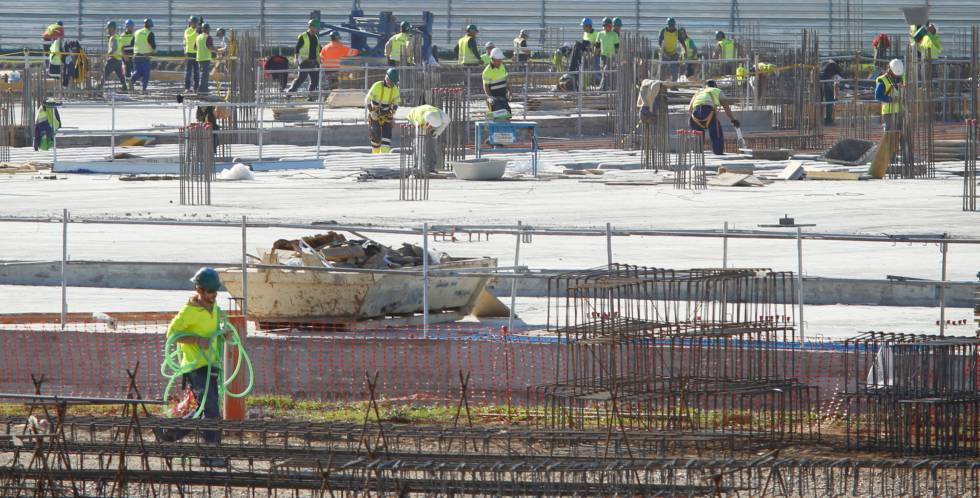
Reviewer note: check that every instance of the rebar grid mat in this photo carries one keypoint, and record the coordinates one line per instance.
(196, 164)
(451, 145)
(970, 167)
(689, 169)
(857, 120)
(632, 62)
(916, 144)
(413, 177)
(913, 394)
(8, 125)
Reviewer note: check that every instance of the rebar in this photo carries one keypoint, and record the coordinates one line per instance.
(413, 178)
(241, 125)
(196, 164)
(451, 145)
(655, 138)
(632, 62)
(689, 168)
(970, 167)
(917, 157)
(8, 125)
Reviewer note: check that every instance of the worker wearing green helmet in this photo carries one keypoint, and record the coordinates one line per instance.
(467, 51)
(670, 51)
(398, 48)
(381, 103)
(618, 25)
(308, 57)
(608, 43)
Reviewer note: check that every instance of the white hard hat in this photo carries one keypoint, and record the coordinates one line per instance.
(489, 45)
(497, 54)
(897, 67)
(434, 119)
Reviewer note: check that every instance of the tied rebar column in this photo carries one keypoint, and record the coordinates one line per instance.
(413, 179)
(631, 63)
(970, 167)
(242, 87)
(451, 145)
(655, 139)
(7, 125)
(689, 170)
(196, 164)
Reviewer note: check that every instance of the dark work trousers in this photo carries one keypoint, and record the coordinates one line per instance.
(429, 158)
(197, 380)
(828, 96)
(305, 72)
(205, 67)
(192, 72)
(114, 66)
(142, 72)
(380, 133)
(704, 118)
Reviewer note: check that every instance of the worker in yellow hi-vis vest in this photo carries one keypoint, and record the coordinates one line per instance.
(192, 71)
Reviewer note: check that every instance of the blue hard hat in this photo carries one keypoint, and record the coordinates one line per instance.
(130, 22)
(207, 279)
(586, 22)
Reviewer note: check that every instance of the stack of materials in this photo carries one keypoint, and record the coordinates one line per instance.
(334, 250)
(291, 114)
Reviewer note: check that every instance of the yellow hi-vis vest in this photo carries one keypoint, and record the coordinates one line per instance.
(115, 53)
(199, 321)
(670, 41)
(54, 53)
(590, 36)
(889, 107)
(495, 78)
(707, 96)
(383, 99)
(141, 42)
(201, 44)
(304, 51)
(607, 42)
(398, 43)
(190, 40)
(466, 56)
(930, 47)
(417, 115)
(127, 39)
(727, 47)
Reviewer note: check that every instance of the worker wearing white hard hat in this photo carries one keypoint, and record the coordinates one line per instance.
(431, 122)
(496, 87)
(888, 91)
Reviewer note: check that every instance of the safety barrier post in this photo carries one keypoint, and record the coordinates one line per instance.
(235, 407)
(609, 256)
(425, 280)
(319, 119)
(64, 265)
(944, 249)
(513, 282)
(112, 137)
(724, 247)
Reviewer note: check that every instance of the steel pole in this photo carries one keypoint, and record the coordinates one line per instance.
(944, 247)
(609, 256)
(425, 279)
(513, 283)
(799, 280)
(64, 267)
(724, 246)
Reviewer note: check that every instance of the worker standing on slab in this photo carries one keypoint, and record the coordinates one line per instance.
(192, 71)
(55, 31)
(725, 49)
(431, 122)
(830, 77)
(307, 58)
(704, 115)
(487, 50)
(144, 46)
(522, 53)
(197, 323)
(670, 50)
(382, 102)
(608, 41)
(128, 38)
(204, 54)
(467, 53)
(497, 88)
(113, 56)
(590, 39)
(888, 91)
(330, 57)
(398, 49)
(690, 53)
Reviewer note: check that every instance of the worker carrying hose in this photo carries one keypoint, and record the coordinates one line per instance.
(704, 115)
(430, 122)
(496, 87)
(381, 102)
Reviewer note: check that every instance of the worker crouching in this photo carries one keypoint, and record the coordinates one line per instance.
(382, 102)
(496, 87)
(704, 115)
(430, 122)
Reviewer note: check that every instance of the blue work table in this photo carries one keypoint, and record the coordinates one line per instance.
(497, 133)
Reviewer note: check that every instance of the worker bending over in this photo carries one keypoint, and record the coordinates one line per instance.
(496, 87)
(382, 101)
(670, 50)
(307, 57)
(144, 46)
(467, 53)
(608, 41)
(398, 48)
(192, 70)
(430, 122)
(704, 115)
(330, 57)
(113, 56)
(200, 321)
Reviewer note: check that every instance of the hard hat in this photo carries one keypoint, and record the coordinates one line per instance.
(671, 22)
(497, 54)
(606, 21)
(489, 45)
(617, 22)
(719, 35)
(523, 33)
(711, 83)
(919, 33)
(333, 34)
(313, 23)
(193, 19)
(405, 26)
(897, 67)
(148, 22)
(434, 119)
(207, 279)
(586, 22)
(130, 23)
(471, 27)
(392, 74)
(110, 24)
(61, 23)
(220, 31)
(206, 27)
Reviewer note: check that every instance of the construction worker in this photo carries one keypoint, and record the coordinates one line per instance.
(205, 54)
(888, 91)
(398, 49)
(200, 320)
(431, 122)
(487, 49)
(521, 51)
(382, 101)
(144, 45)
(560, 57)
(192, 72)
(690, 53)
(830, 77)
(127, 38)
(307, 57)
(704, 115)
(113, 56)
(54, 31)
(467, 53)
(56, 56)
(330, 57)
(725, 49)
(608, 41)
(496, 87)
(590, 37)
(220, 41)
(929, 45)
(618, 25)
(670, 50)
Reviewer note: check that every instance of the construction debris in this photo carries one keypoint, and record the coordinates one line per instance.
(336, 251)
(736, 180)
(291, 114)
(814, 174)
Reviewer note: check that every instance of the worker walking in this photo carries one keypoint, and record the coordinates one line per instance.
(704, 115)
(198, 323)
(192, 71)
(307, 57)
(670, 50)
(496, 87)
(128, 38)
(522, 53)
(430, 122)
(608, 41)
(144, 46)
(467, 53)
(690, 53)
(205, 54)
(113, 56)
(330, 57)
(398, 49)
(725, 49)
(382, 102)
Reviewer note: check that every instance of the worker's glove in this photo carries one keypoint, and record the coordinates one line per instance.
(736, 123)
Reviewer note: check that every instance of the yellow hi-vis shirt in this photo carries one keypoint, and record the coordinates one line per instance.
(190, 40)
(194, 319)
(707, 96)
